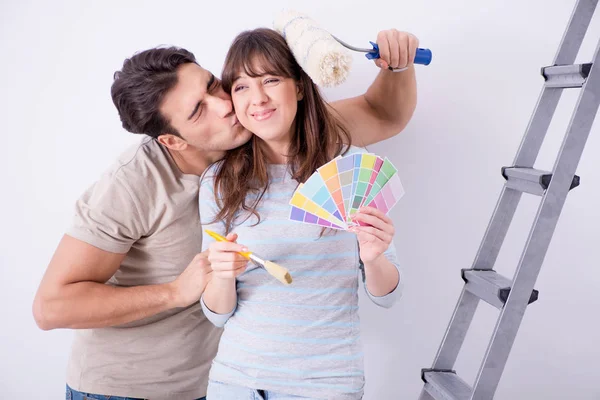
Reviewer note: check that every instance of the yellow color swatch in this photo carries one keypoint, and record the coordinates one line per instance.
(328, 170)
(304, 203)
(368, 161)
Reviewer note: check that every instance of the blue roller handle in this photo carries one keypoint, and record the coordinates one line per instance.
(422, 57)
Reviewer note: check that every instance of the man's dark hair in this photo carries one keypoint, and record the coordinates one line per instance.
(140, 87)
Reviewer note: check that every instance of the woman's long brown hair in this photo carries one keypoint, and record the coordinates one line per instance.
(318, 138)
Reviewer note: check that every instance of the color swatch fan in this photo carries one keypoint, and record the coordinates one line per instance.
(337, 190)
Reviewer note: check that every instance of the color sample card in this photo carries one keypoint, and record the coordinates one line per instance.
(337, 175)
(356, 161)
(329, 174)
(362, 174)
(302, 202)
(339, 188)
(388, 196)
(386, 171)
(374, 174)
(297, 214)
(346, 173)
(316, 189)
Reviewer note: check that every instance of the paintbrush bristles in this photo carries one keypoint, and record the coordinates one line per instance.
(278, 272)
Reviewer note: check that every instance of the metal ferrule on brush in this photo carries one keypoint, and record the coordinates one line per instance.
(257, 260)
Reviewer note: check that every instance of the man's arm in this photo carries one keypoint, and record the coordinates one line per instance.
(389, 103)
(73, 293)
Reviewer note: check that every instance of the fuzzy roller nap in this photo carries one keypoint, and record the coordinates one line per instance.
(324, 57)
(325, 60)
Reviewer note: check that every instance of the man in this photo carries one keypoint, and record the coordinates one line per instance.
(127, 274)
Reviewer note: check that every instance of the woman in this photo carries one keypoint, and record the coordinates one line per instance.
(299, 341)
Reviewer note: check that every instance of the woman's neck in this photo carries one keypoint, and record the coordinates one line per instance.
(276, 151)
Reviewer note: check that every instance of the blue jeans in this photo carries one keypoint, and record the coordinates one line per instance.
(225, 391)
(73, 394)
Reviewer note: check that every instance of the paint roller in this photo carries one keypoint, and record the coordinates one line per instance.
(324, 57)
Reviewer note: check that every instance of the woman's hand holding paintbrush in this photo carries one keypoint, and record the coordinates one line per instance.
(232, 259)
(225, 258)
(220, 295)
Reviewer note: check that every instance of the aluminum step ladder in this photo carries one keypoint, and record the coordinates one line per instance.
(511, 296)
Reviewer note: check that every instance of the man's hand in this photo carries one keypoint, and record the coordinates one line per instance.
(189, 286)
(396, 49)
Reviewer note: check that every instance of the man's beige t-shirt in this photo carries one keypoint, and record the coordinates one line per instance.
(145, 207)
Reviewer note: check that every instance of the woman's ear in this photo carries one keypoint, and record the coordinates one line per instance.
(299, 92)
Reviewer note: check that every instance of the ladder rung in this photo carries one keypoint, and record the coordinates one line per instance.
(482, 282)
(566, 76)
(490, 286)
(530, 180)
(445, 385)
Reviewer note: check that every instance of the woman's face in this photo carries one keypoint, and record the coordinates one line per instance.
(266, 105)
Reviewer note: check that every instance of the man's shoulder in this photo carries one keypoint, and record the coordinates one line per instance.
(140, 156)
(131, 197)
(142, 167)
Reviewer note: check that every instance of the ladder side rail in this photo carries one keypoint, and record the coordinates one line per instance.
(540, 236)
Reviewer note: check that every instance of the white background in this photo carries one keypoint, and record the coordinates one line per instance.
(60, 131)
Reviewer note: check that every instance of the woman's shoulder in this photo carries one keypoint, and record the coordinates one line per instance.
(349, 150)
(210, 173)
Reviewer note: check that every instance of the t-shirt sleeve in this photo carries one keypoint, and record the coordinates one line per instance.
(108, 216)
(209, 208)
(208, 211)
(217, 320)
(389, 299)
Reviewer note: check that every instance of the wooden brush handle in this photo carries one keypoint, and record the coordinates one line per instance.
(278, 272)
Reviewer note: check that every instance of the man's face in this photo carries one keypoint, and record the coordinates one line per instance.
(202, 112)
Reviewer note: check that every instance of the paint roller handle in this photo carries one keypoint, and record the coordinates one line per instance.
(423, 56)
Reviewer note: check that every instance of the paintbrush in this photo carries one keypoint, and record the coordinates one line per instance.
(279, 272)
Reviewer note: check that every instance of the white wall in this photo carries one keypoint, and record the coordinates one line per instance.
(60, 131)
